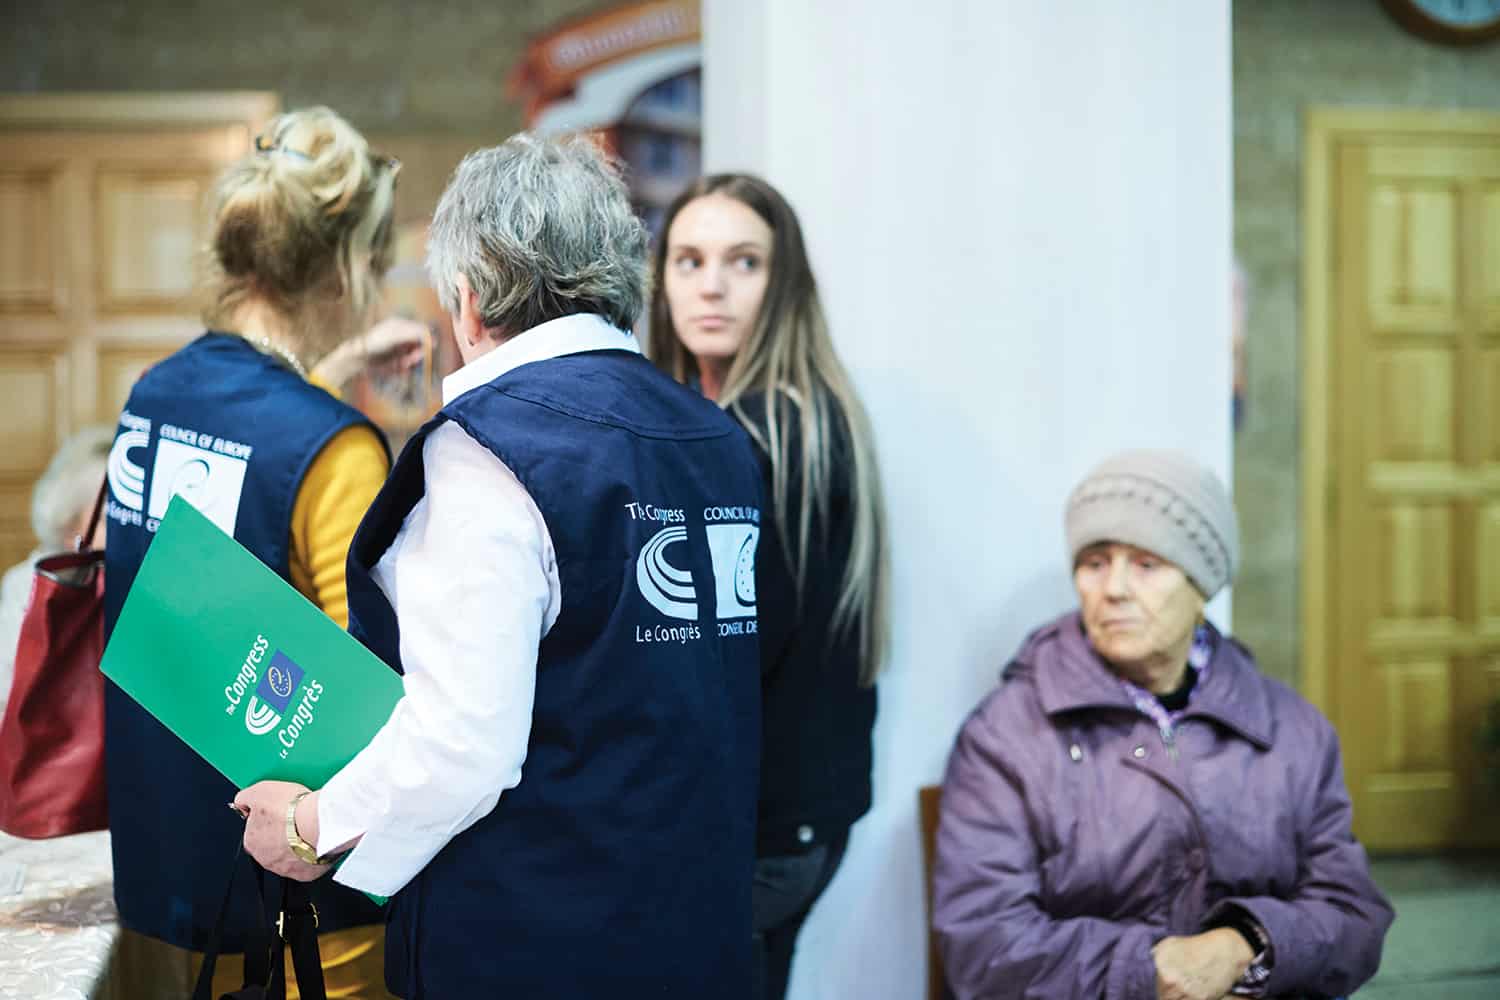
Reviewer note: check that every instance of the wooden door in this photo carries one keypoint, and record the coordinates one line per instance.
(1411, 471)
(102, 215)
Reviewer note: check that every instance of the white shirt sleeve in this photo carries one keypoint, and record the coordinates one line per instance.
(473, 580)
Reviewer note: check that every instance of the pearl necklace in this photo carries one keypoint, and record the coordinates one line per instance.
(270, 347)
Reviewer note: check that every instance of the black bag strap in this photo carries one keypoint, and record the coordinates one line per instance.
(294, 927)
(203, 988)
(299, 928)
(81, 544)
(263, 957)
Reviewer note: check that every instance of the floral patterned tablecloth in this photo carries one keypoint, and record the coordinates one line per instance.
(56, 933)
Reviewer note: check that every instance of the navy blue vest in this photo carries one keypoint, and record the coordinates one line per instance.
(621, 865)
(234, 431)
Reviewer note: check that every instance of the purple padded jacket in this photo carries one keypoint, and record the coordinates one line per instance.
(1073, 837)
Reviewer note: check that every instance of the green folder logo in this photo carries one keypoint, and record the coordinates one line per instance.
(241, 666)
(273, 695)
(208, 632)
(260, 719)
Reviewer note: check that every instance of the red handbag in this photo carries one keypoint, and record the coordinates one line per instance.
(52, 735)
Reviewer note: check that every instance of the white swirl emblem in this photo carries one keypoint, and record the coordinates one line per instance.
(127, 480)
(260, 718)
(667, 588)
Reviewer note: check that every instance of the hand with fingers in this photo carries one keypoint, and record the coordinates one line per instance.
(392, 346)
(1201, 967)
(278, 815)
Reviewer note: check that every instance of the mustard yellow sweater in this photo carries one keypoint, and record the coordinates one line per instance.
(336, 492)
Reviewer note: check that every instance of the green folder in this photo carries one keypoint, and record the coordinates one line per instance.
(242, 667)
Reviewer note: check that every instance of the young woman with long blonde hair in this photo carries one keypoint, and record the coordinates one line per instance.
(736, 313)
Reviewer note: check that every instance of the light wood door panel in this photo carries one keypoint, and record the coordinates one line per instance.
(1413, 509)
(151, 222)
(1414, 421)
(1413, 284)
(34, 393)
(31, 241)
(1487, 262)
(1487, 598)
(103, 207)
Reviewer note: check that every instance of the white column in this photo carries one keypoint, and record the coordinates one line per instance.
(1019, 215)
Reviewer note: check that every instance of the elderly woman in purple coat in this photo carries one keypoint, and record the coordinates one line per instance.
(1136, 813)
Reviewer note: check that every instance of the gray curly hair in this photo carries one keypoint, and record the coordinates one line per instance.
(64, 495)
(541, 228)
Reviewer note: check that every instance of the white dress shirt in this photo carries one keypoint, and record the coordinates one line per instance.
(473, 581)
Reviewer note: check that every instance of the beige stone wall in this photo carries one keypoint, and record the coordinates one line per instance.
(388, 65)
(424, 79)
(1290, 55)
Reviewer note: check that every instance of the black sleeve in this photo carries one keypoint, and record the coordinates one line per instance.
(775, 584)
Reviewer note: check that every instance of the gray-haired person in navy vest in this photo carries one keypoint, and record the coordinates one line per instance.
(237, 423)
(563, 566)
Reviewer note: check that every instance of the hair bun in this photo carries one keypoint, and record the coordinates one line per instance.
(327, 155)
(302, 222)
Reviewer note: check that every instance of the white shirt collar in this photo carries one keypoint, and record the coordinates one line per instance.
(553, 339)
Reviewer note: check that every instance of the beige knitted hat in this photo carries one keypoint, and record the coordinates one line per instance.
(1163, 502)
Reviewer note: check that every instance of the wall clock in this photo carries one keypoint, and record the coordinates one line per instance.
(1451, 22)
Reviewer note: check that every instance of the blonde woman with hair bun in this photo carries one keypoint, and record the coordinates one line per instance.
(241, 424)
(736, 313)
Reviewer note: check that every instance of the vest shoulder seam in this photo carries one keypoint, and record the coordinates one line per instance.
(701, 432)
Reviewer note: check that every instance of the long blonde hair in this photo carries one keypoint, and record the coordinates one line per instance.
(788, 358)
(302, 226)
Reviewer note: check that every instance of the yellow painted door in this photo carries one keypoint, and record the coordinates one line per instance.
(1415, 504)
(102, 219)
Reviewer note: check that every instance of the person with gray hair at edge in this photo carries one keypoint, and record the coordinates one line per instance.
(562, 566)
(1136, 812)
